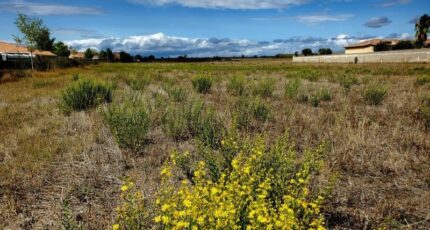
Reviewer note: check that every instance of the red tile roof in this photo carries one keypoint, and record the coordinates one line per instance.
(13, 48)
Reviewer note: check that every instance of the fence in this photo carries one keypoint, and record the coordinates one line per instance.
(403, 56)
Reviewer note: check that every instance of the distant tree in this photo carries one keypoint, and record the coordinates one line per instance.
(36, 34)
(325, 51)
(44, 41)
(61, 49)
(382, 46)
(403, 45)
(109, 54)
(125, 57)
(422, 29)
(89, 54)
(151, 57)
(139, 58)
(307, 52)
(296, 53)
(103, 55)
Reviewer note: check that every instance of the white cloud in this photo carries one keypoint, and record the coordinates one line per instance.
(170, 46)
(377, 22)
(318, 18)
(47, 9)
(226, 4)
(394, 2)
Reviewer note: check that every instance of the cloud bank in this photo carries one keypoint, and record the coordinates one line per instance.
(377, 22)
(225, 4)
(47, 9)
(162, 45)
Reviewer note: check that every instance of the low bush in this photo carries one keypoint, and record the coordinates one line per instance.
(85, 95)
(178, 94)
(138, 82)
(325, 95)
(422, 80)
(236, 86)
(375, 94)
(348, 80)
(129, 124)
(264, 187)
(249, 110)
(193, 120)
(425, 111)
(292, 87)
(261, 110)
(264, 87)
(202, 84)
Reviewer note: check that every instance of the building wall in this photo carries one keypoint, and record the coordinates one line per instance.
(360, 50)
(404, 56)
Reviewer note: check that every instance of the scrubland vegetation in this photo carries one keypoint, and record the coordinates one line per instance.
(250, 144)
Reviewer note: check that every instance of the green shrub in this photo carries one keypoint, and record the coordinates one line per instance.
(425, 111)
(375, 94)
(261, 110)
(347, 81)
(248, 110)
(178, 94)
(302, 98)
(202, 84)
(264, 87)
(315, 100)
(422, 80)
(292, 88)
(325, 95)
(138, 83)
(129, 124)
(85, 95)
(236, 86)
(193, 120)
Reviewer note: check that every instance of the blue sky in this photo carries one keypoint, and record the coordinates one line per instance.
(216, 27)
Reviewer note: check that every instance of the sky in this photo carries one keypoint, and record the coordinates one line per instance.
(216, 27)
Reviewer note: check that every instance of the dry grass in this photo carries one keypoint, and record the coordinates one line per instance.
(380, 153)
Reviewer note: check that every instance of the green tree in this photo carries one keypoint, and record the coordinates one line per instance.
(422, 29)
(61, 49)
(89, 54)
(109, 54)
(125, 57)
(103, 55)
(325, 51)
(36, 35)
(307, 52)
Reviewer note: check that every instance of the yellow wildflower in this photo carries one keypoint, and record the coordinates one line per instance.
(115, 227)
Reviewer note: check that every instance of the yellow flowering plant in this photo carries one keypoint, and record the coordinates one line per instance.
(265, 188)
(131, 213)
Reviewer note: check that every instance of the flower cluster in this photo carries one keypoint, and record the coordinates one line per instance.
(242, 197)
(131, 213)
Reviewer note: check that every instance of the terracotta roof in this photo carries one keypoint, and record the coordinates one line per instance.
(13, 48)
(77, 55)
(372, 42)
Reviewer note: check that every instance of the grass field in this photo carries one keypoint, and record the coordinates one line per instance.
(64, 167)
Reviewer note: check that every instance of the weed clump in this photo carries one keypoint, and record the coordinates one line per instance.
(347, 81)
(138, 83)
(292, 88)
(425, 111)
(375, 94)
(422, 80)
(193, 120)
(236, 86)
(249, 110)
(202, 84)
(177, 94)
(129, 123)
(85, 95)
(264, 87)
